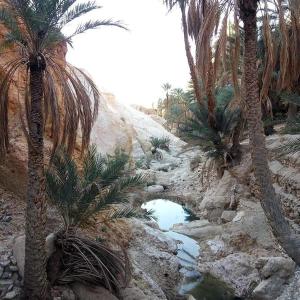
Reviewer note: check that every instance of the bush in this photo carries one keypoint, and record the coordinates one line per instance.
(101, 187)
(214, 141)
(161, 143)
(103, 182)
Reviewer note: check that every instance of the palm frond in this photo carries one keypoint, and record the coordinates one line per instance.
(77, 11)
(89, 262)
(290, 147)
(161, 142)
(81, 196)
(88, 25)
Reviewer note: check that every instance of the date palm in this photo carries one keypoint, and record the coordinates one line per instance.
(183, 4)
(209, 25)
(57, 95)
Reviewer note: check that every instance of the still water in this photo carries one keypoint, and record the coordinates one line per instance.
(167, 214)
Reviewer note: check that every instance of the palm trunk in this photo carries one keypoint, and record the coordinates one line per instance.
(35, 281)
(194, 75)
(269, 200)
(211, 101)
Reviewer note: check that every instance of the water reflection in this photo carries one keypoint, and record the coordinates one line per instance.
(168, 213)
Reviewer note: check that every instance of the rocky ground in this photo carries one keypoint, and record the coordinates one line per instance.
(237, 245)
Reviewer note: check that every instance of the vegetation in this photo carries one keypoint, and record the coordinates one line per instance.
(225, 54)
(96, 194)
(160, 143)
(56, 95)
(215, 142)
(100, 188)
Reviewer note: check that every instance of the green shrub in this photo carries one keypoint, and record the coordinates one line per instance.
(160, 143)
(102, 182)
(100, 187)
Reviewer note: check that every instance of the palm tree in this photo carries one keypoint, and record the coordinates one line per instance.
(194, 75)
(269, 200)
(167, 87)
(207, 23)
(56, 94)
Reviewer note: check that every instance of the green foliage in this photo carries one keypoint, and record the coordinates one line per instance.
(292, 126)
(103, 182)
(291, 98)
(160, 142)
(33, 32)
(214, 141)
(288, 148)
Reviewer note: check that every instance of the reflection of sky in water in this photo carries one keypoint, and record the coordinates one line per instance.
(167, 212)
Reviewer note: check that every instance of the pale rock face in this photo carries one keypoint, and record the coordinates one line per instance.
(155, 265)
(119, 125)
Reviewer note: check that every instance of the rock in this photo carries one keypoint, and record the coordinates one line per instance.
(13, 260)
(50, 244)
(228, 216)
(68, 294)
(19, 253)
(292, 290)
(4, 263)
(218, 198)
(199, 229)
(6, 275)
(155, 265)
(6, 219)
(268, 289)
(13, 268)
(281, 266)
(91, 293)
(155, 189)
(13, 294)
(237, 270)
(19, 250)
(216, 246)
(133, 293)
(6, 282)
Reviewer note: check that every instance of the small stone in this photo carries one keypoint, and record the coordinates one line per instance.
(4, 263)
(12, 294)
(13, 268)
(6, 219)
(10, 288)
(13, 260)
(6, 275)
(228, 216)
(68, 295)
(6, 282)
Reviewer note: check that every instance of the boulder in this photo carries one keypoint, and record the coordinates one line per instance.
(19, 250)
(219, 197)
(237, 270)
(268, 289)
(84, 292)
(228, 216)
(155, 189)
(282, 267)
(134, 293)
(155, 265)
(199, 229)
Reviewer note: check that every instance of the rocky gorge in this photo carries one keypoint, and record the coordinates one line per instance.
(237, 246)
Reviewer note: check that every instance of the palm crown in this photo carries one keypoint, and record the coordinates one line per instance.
(33, 34)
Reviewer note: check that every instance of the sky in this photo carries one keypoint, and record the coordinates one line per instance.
(133, 64)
